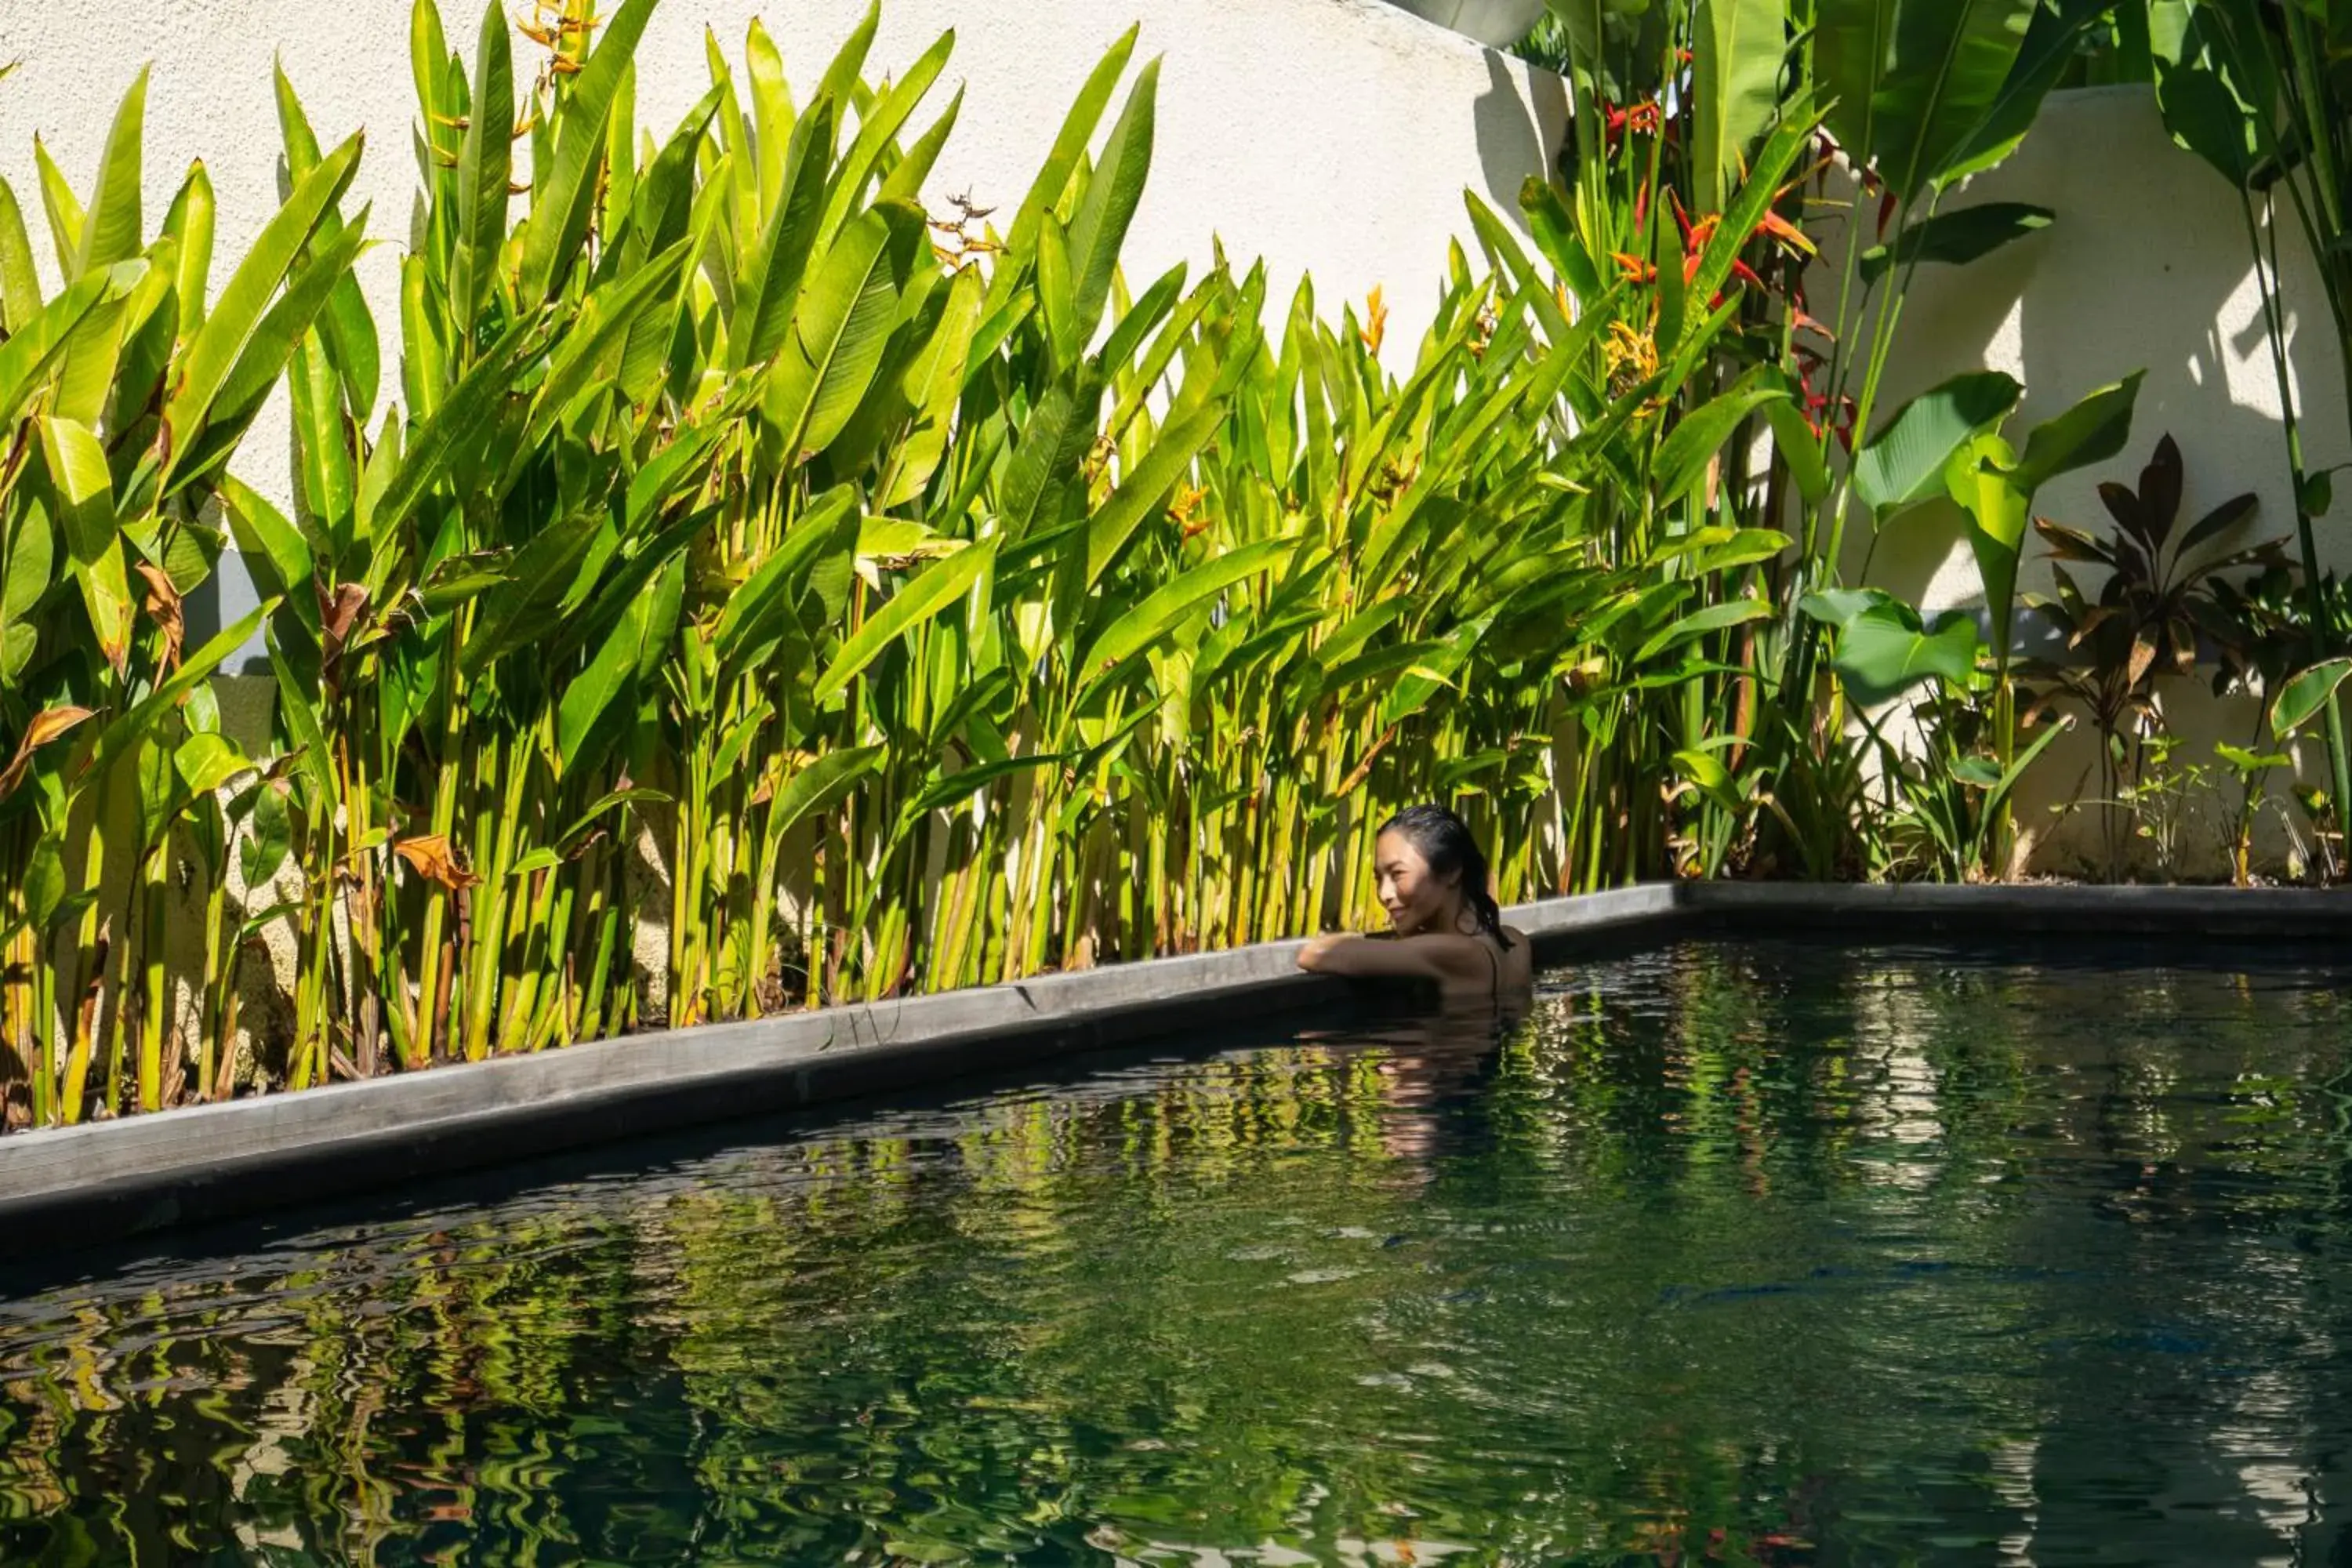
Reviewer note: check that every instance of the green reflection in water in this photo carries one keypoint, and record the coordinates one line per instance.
(1763, 1253)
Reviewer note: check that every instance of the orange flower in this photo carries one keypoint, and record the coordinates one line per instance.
(1635, 269)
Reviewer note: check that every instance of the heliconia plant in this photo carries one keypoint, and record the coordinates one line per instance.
(123, 395)
(928, 605)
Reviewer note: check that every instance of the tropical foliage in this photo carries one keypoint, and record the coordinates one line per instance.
(766, 589)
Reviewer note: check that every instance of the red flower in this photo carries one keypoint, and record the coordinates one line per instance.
(1617, 123)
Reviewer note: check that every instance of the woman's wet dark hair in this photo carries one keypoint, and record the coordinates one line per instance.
(1444, 841)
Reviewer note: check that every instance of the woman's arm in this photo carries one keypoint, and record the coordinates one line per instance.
(1416, 957)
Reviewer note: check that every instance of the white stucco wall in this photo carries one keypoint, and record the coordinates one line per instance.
(1335, 136)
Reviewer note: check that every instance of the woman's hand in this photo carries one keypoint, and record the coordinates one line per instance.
(1316, 954)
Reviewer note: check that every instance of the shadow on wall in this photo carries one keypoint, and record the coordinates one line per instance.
(2146, 268)
(1519, 132)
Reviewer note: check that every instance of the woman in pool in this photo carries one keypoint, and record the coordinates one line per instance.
(1434, 884)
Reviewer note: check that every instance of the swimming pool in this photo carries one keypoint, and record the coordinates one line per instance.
(1740, 1250)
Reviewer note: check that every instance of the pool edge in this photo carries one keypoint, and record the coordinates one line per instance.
(2042, 908)
(71, 1188)
(67, 1189)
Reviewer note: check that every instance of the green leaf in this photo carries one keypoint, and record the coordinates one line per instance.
(1738, 48)
(539, 580)
(1682, 457)
(274, 554)
(1801, 449)
(772, 121)
(1886, 651)
(268, 844)
(1904, 464)
(590, 693)
(471, 409)
(1791, 139)
(1983, 482)
(2246, 761)
(428, 56)
(603, 804)
(1838, 607)
(44, 883)
(1045, 465)
(931, 590)
(1421, 682)
(840, 327)
(2055, 39)
(1159, 611)
(957, 788)
(2317, 493)
(484, 172)
(2204, 115)
(85, 491)
(771, 287)
(1910, 82)
(841, 81)
(1098, 228)
(1713, 618)
(932, 386)
(114, 230)
(35, 351)
(1057, 292)
(1999, 796)
(563, 197)
(305, 738)
(20, 279)
(63, 207)
(758, 609)
(2092, 431)
(1556, 237)
(1141, 492)
(1955, 238)
(1728, 549)
(905, 181)
(222, 422)
(204, 762)
(1054, 175)
(2310, 692)
(30, 556)
(139, 719)
(877, 128)
(587, 352)
(219, 345)
(188, 222)
(822, 785)
(1706, 773)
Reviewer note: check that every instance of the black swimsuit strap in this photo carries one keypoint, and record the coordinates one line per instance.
(1497, 960)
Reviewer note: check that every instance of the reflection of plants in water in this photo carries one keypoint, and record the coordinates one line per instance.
(1726, 1239)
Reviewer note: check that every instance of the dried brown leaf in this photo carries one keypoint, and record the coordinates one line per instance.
(47, 726)
(432, 858)
(163, 606)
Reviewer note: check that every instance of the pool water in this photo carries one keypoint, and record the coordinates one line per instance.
(1739, 1252)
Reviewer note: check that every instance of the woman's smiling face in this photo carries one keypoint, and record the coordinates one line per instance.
(1416, 897)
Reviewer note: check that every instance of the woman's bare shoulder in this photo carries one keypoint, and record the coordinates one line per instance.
(1521, 958)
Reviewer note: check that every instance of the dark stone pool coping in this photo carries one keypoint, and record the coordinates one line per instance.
(78, 1186)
